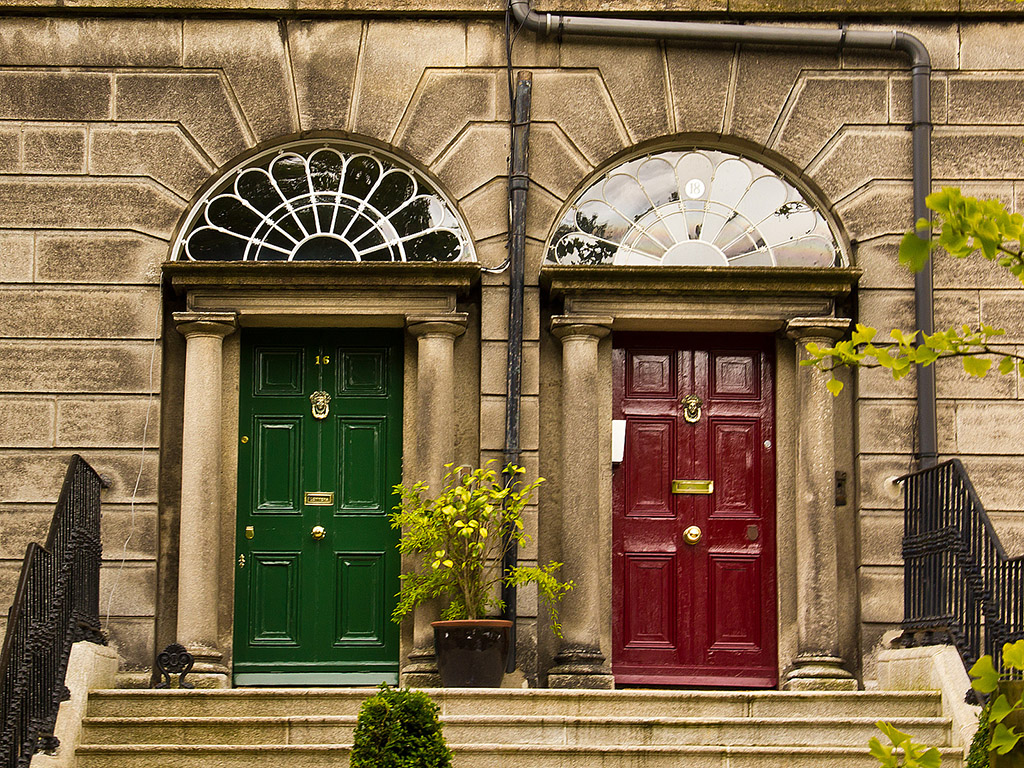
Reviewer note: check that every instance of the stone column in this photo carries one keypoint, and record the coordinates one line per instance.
(580, 662)
(435, 447)
(199, 542)
(818, 665)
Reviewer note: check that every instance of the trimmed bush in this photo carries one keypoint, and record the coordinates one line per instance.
(398, 728)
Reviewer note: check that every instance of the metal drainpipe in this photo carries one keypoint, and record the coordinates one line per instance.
(921, 124)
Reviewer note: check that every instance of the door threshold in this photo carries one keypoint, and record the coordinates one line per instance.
(314, 679)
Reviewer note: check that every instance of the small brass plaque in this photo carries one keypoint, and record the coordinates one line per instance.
(700, 487)
(319, 498)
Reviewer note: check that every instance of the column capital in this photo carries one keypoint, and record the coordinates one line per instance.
(809, 328)
(598, 326)
(219, 324)
(450, 324)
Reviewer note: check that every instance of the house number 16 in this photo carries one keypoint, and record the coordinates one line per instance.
(323, 359)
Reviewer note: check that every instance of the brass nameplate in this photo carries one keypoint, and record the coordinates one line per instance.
(319, 498)
(702, 487)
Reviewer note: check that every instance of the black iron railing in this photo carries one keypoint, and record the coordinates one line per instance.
(959, 585)
(55, 605)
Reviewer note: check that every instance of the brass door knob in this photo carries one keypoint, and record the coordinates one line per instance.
(318, 532)
(692, 535)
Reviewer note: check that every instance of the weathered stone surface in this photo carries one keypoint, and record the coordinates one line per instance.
(26, 422)
(999, 480)
(900, 109)
(555, 163)
(27, 202)
(21, 526)
(17, 257)
(486, 210)
(324, 58)
(79, 366)
(494, 314)
(494, 369)
(492, 423)
(858, 155)
(90, 42)
(880, 208)
(977, 152)
(973, 271)
(35, 477)
(10, 150)
(991, 45)
(444, 102)
(50, 95)
(580, 103)
(878, 259)
(764, 81)
(633, 71)
(887, 427)
(131, 313)
(881, 594)
(133, 639)
(394, 56)
(97, 257)
(121, 526)
(822, 104)
(878, 382)
(485, 47)
(161, 152)
(1002, 309)
(952, 383)
(542, 209)
(200, 101)
(989, 427)
(1010, 530)
(699, 84)
(881, 539)
(940, 38)
(990, 98)
(54, 150)
(252, 55)
(106, 423)
(128, 588)
(587, 6)
(478, 156)
(887, 309)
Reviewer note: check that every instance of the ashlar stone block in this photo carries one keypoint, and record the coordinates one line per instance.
(1002, 309)
(108, 423)
(999, 480)
(160, 152)
(485, 47)
(900, 106)
(96, 257)
(137, 528)
(855, 156)
(699, 81)
(54, 149)
(200, 101)
(10, 150)
(886, 309)
(633, 71)
(394, 56)
(36, 477)
(486, 210)
(881, 594)
(880, 208)
(70, 203)
(991, 44)
(972, 271)
(990, 98)
(953, 383)
(887, 427)
(54, 95)
(881, 539)
(940, 37)
(90, 42)
(977, 152)
(26, 422)
(989, 427)
(17, 257)
(79, 366)
(492, 423)
(441, 107)
(878, 258)
(479, 155)
(580, 104)
(494, 368)
(23, 524)
(252, 55)
(324, 58)
(555, 164)
(128, 588)
(821, 104)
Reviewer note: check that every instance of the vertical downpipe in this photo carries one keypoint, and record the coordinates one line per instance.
(518, 184)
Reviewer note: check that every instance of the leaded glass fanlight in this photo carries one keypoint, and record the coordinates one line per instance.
(700, 208)
(324, 202)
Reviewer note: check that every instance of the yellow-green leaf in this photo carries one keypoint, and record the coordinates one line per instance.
(986, 678)
(835, 386)
(977, 366)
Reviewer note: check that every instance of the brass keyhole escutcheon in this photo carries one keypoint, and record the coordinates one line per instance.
(691, 408)
(692, 535)
(318, 532)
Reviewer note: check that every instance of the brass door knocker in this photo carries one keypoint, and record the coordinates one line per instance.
(321, 404)
(691, 408)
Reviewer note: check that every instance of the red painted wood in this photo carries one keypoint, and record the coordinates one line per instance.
(704, 614)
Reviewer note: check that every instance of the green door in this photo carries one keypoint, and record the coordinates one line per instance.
(316, 572)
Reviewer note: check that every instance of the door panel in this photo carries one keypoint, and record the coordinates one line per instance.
(316, 611)
(694, 613)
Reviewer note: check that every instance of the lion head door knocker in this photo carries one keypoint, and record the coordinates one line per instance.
(321, 404)
(691, 408)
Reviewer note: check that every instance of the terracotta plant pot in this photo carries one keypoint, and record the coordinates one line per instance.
(471, 653)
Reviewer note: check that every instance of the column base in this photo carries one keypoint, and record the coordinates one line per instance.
(819, 673)
(208, 671)
(580, 668)
(421, 671)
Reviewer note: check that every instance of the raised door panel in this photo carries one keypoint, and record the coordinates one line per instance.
(650, 443)
(736, 467)
(734, 619)
(277, 464)
(651, 605)
(360, 580)
(362, 465)
(274, 579)
(279, 371)
(362, 372)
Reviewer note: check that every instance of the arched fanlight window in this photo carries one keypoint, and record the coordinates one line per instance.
(323, 202)
(700, 207)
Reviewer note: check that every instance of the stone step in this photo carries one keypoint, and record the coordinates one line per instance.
(490, 755)
(521, 730)
(640, 703)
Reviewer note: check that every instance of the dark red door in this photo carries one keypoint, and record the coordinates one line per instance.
(694, 562)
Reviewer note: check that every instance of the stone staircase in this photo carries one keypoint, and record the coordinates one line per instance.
(312, 728)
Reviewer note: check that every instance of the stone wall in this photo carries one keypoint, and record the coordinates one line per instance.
(110, 126)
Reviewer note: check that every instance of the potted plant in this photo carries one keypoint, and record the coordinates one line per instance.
(398, 728)
(461, 536)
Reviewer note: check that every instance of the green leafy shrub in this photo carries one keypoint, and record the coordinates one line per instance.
(462, 535)
(398, 728)
(987, 679)
(903, 752)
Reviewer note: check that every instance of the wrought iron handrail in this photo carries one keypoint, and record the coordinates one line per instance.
(959, 585)
(56, 604)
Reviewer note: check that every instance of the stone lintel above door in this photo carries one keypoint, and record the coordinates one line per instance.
(749, 299)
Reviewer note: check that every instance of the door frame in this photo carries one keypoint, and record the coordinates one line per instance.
(751, 300)
(295, 295)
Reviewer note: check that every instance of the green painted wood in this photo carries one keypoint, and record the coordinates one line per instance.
(306, 610)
